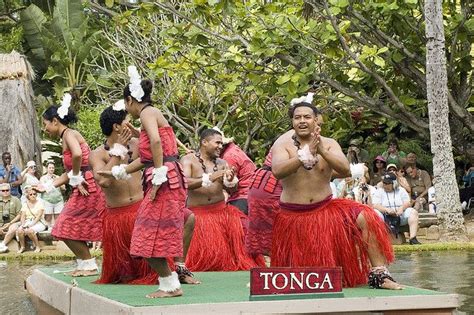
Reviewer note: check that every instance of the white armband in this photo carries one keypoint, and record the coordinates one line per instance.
(232, 183)
(305, 156)
(119, 172)
(118, 150)
(75, 180)
(206, 180)
(159, 175)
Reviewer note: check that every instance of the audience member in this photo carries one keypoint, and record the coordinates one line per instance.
(378, 168)
(393, 201)
(420, 182)
(432, 199)
(355, 154)
(11, 174)
(11, 214)
(30, 178)
(243, 167)
(393, 155)
(411, 159)
(400, 174)
(467, 192)
(31, 219)
(53, 200)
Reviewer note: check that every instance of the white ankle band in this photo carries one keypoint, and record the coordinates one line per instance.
(170, 283)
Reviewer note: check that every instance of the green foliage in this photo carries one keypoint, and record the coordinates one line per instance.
(89, 127)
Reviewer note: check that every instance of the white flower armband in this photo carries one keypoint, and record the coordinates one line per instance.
(206, 180)
(118, 150)
(75, 180)
(119, 172)
(159, 175)
(232, 183)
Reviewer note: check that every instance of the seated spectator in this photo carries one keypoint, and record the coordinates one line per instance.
(355, 154)
(393, 201)
(400, 174)
(29, 178)
(467, 192)
(411, 159)
(53, 200)
(10, 207)
(393, 155)
(420, 182)
(432, 199)
(10, 174)
(31, 219)
(378, 167)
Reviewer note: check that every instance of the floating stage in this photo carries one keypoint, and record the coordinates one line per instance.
(221, 293)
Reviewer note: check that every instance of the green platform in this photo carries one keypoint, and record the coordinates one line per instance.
(216, 287)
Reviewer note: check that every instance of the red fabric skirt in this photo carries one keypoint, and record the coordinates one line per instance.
(158, 230)
(263, 200)
(218, 240)
(81, 217)
(118, 266)
(328, 236)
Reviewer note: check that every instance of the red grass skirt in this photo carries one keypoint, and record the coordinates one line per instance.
(118, 266)
(81, 217)
(328, 236)
(218, 240)
(158, 230)
(263, 208)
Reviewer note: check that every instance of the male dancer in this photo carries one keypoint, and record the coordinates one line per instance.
(218, 242)
(123, 198)
(312, 229)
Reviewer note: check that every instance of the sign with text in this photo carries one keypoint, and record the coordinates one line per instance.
(293, 280)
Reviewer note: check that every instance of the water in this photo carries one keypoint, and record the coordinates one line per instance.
(447, 271)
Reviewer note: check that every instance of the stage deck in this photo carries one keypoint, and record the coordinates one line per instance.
(221, 293)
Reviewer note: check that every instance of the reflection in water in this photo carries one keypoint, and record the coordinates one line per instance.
(450, 272)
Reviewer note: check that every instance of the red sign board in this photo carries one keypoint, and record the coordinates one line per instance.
(289, 280)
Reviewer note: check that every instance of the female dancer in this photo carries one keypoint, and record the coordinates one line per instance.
(81, 219)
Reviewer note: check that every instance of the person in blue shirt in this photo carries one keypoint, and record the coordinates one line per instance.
(10, 174)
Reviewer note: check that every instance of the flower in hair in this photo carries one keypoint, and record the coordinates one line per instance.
(119, 106)
(303, 99)
(65, 104)
(135, 86)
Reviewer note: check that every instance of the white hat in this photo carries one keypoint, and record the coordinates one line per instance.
(224, 139)
(30, 164)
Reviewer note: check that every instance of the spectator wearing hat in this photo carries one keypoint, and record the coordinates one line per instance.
(30, 177)
(394, 201)
(420, 182)
(400, 174)
(10, 206)
(355, 154)
(393, 155)
(378, 167)
(10, 174)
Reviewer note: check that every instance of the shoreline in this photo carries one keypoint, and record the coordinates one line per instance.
(56, 255)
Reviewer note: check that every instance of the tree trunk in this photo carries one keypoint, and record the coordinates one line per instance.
(447, 193)
(19, 128)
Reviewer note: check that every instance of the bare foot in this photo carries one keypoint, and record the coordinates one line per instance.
(185, 279)
(70, 273)
(21, 250)
(85, 273)
(390, 285)
(163, 294)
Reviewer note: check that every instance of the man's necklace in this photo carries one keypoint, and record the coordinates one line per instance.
(297, 144)
(198, 155)
(129, 152)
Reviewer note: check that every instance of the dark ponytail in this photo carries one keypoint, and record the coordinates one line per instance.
(52, 112)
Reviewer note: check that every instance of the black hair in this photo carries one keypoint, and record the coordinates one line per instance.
(206, 133)
(374, 167)
(292, 109)
(52, 112)
(6, 153)
(147, 87)
(109, 117)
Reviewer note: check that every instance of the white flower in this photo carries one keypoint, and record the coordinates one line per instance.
(119, 105)
(65, 104)
(303, 99)
(135, 83)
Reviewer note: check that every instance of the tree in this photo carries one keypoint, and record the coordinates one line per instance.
(447, 193)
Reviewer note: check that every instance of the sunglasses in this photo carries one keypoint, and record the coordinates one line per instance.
(32, 194)
(5, 190)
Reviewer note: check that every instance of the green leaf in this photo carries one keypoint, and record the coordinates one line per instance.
(109, 3)
(32, 19)
(283, 79)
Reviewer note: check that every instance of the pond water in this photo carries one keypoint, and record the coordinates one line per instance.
(447, 271)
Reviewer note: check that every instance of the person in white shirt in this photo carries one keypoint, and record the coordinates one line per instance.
(53, 200)
(394, 201)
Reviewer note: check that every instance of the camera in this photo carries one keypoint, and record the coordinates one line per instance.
(6, 218)
(364, 187)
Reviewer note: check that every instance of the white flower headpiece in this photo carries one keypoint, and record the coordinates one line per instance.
(119, 106)
(224, 139)
(65, 104)
(357, 170)
(303, 99)
(135, 86)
